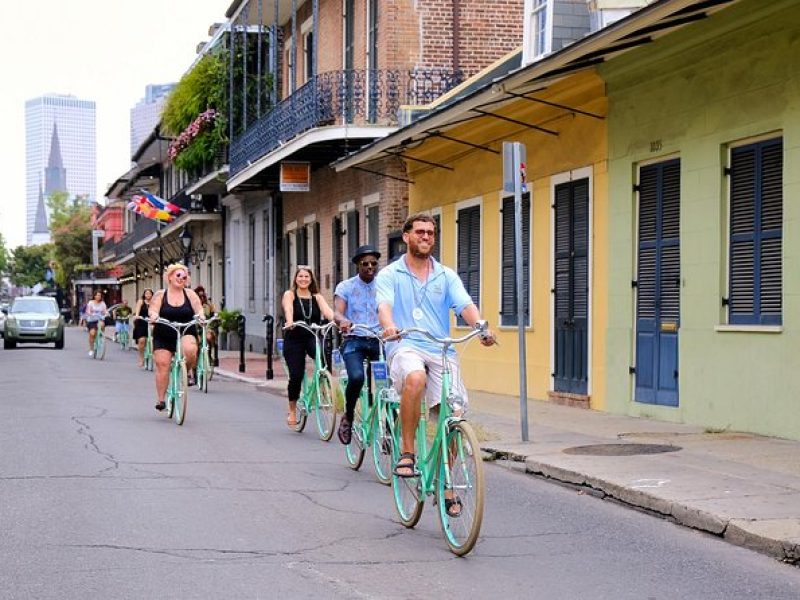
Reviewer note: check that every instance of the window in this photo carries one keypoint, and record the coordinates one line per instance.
(508, 288)
(350, 220)
(251, 240)
(538, 43)
(756, 234)
(308, 55)
(373, 220)
(436, 243)
(469, 251)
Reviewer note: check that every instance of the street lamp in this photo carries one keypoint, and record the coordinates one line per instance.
(186, 241)
(201, 251)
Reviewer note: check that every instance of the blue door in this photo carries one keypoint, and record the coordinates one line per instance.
(571, 287)
(658, 283)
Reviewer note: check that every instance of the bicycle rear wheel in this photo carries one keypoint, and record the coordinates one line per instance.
(382, 438)
(354, 451)
(301, 414)
(407, 491)
(326, 409)
(181, 394)
(466, 482)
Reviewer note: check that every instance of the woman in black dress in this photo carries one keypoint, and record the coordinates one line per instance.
(140, 327)
(178, 304)
(302, 302)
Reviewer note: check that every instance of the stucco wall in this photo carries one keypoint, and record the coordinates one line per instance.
(730, 78)
(580, 143)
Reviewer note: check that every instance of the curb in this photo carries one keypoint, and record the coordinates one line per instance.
(764, 536)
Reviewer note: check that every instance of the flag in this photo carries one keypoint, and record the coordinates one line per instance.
(162, 204)
(141, 206)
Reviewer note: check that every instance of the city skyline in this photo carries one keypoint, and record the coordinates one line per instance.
(110, 59)
(69, 122)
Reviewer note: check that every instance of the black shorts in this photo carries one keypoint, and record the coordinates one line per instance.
(92, 325)
(168, 340)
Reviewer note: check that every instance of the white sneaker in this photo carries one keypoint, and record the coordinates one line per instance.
(91, 353)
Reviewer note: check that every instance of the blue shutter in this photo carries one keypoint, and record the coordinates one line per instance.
(756, 234)
(508, 300)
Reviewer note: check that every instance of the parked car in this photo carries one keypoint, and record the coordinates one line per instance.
(3, 311)
(33, 319)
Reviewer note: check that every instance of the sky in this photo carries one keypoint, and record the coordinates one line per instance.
(101, 50)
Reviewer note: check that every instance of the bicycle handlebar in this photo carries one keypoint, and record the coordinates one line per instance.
(178, 327)
(313, 327)
(481, 329)
(370, 331)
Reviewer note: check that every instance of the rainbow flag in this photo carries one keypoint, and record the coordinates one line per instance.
(162, 204)
(141, 206)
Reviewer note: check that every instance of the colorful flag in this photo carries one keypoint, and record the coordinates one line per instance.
(162, 204)
(140, 205)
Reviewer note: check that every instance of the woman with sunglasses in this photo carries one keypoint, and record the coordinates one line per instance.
(302, 302)
(180, 305)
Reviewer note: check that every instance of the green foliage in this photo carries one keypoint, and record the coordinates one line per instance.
(228, 319)
(71, 232)
(201, 88)
(3, 255)
(28, 264)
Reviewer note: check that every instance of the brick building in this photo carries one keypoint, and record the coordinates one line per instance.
(319, 79)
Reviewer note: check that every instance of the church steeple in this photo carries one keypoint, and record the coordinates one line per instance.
(55, 175)
(41, 232)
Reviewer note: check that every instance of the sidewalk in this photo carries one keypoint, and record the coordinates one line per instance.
(742, 487)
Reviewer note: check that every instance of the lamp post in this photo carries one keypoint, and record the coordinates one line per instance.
(186, 241)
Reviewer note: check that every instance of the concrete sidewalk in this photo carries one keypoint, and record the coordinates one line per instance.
(742, 487)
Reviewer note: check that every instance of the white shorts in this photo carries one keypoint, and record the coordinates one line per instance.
(406, 360)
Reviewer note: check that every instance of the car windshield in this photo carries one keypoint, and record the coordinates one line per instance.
(45, 306)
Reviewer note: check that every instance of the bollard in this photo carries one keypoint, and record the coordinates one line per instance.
(270, 321)
(240, 321)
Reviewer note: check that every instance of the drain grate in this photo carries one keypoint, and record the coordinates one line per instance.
(621, 449)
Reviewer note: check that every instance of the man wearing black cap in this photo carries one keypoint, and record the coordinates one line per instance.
(354, 302)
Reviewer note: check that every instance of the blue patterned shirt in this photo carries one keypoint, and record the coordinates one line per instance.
(362, 307)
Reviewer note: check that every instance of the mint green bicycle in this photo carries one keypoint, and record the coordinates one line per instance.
(99, 346)
(205, 366)
(376, 407)
(450, 466)
(148, 348)
(123, 337)
(177, 397)
(316, 393)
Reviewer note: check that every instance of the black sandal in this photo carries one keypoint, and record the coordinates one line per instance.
(450, 503)
(407, 461)
(161, 406)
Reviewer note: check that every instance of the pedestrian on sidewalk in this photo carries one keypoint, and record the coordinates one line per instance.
(302, 302)
(140, 327)
(354, 302)
(417, 291)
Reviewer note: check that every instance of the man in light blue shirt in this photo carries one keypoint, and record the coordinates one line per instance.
(354, 302)
(417, 291)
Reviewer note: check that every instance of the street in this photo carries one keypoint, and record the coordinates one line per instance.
(101, 497)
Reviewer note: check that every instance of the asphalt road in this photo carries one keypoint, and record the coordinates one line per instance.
(101, 497)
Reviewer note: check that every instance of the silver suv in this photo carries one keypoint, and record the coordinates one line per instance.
(33, 319)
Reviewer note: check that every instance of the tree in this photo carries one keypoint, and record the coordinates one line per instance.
(71, 232)
(3, 255)
(29, 263)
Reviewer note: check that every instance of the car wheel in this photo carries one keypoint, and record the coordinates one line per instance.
(9, 344)
(60, 344)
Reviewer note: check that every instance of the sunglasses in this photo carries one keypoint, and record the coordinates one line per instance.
(180, 275)
(424, 232)
(369, 263)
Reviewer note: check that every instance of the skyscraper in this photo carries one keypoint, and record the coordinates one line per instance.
(60, 151)
(147, 112)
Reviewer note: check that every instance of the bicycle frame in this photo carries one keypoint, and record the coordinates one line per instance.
(311, 389)
(204, 368)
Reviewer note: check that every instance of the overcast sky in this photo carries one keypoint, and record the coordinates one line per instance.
(101, 50)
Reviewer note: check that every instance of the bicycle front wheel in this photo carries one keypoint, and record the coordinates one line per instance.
(407, 491)
(203, 370)
(100, 345)
(181, 394)
(354, 451)
(326, 409)
(148, 354)
(382, 438)
(460, 493)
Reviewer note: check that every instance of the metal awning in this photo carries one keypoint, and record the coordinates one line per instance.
(641, 27)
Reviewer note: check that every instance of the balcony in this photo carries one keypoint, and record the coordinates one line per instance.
(115, 251)
(350, 97)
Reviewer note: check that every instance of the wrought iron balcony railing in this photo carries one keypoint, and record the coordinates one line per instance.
(141, 229)
(337, 98)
